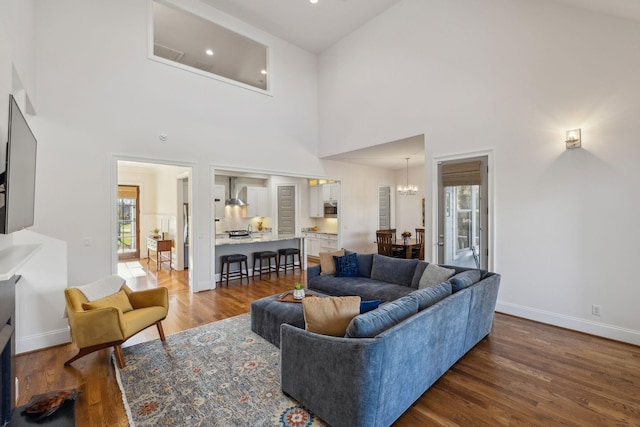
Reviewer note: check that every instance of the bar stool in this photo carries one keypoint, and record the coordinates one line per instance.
(233, 259)
(289, 252)
(265, 255)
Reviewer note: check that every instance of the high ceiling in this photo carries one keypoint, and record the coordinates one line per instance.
(313, 27)
(316, 27)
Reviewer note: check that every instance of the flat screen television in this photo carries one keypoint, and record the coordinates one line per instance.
(18, 177)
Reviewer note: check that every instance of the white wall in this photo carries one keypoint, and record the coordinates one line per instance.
(100, 96)
(409, 208)
(513, 75)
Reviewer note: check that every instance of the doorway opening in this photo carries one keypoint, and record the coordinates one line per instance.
(463, 226)
(154, 213)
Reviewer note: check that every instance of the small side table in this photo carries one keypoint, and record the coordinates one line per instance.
(159, 246)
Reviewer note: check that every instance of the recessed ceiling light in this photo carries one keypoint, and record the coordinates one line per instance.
(263, 71)
(209, 52)
(313, 1)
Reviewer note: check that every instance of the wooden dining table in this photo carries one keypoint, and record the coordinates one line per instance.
(408, 247)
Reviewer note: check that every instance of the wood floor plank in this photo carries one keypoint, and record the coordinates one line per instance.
(524, 374)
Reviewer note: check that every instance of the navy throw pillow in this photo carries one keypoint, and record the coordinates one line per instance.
(346, 266)
(369, 305)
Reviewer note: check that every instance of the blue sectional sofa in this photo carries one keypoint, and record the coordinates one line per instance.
(389, 356)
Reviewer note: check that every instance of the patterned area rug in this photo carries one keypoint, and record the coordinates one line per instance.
(220, 374)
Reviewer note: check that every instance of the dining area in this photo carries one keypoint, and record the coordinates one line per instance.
(408, 245)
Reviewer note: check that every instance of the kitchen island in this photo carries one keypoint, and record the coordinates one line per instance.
(248, 245)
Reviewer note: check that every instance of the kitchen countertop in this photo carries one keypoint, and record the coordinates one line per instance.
(320, 232)
(264, 238)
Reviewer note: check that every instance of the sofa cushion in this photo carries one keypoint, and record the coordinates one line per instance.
(417, 275)
(428, 296)
(371, 324)
(118, 300)
(393, 270)
(327, 265)
(366, 306)
(366, 288)
(331, 315)
(433, 275)
(365, 262)
(465, 279)
(346, 266)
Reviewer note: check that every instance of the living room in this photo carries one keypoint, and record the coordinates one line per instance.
(507, 76)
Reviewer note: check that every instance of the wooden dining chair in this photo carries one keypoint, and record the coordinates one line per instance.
(384, 240)
(418, 252)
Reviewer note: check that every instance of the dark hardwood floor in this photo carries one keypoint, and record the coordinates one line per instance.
(524, 374)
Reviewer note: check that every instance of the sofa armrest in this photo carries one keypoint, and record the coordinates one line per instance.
(313, 271)
(155, 297)
(98, 326)
(334, 377)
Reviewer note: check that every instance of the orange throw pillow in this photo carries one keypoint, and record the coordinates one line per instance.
(331, 315)
(327, 264)
(118, 300)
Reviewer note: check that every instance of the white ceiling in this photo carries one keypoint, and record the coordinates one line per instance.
(316, 27)
(313, 27)
(391, 155)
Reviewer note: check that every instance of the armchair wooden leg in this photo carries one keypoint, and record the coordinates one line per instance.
(87, 350)
(160, 330)
(119, 356)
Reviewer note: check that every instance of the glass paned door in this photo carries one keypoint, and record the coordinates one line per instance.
(128, 227)
(462, 213)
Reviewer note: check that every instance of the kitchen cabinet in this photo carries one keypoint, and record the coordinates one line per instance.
(331, 192)
(316, 206)
(219, 198)
(329, 243)
(321, 242)
(257, 201)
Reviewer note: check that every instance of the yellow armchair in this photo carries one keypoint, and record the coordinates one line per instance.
(111, 321)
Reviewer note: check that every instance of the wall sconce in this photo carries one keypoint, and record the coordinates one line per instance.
(574, 139)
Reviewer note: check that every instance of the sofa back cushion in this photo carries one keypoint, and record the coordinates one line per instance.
(417, 275)
(398, 271)
(372, 323)
(465, 279)
(365, 262)
(428, 296)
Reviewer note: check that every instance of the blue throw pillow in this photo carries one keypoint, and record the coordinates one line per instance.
(346, 266)
(369, 305)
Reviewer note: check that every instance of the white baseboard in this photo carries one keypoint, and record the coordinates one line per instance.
(43, 340)
(575, 323)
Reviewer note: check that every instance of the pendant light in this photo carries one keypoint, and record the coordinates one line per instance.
(407, 190)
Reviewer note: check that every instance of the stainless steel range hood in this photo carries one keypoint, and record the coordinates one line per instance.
(233, 199)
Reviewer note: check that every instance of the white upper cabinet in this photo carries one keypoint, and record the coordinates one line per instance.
(257, 199)
(331, 192)
(316, 207)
